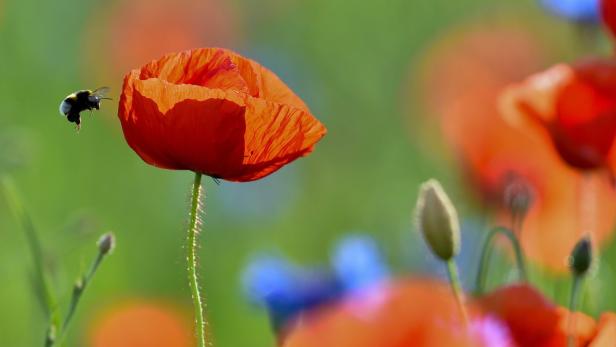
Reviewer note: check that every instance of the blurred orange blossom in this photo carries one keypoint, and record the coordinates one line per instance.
(131, 32)
(419, 312)
(423, 313)
(464, 77)
(141, 324)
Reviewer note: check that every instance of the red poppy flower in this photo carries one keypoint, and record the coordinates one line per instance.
(473, 66)
(141, 324)
(575, 105)
(533, 320)
(215, 112)
(608, 13)
(407, 313)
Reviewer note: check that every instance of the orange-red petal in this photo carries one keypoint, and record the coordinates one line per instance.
(534, 321)
(215, 112)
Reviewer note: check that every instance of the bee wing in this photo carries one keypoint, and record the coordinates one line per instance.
(99, 93)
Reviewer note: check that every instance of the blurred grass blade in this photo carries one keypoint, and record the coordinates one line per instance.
(42, 284)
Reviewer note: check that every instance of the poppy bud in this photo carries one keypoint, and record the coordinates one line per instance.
(581, 257)
(106, 243)
(437, 220)
(518, 197)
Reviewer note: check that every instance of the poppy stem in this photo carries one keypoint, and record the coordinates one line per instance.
(454, 280)
(573, 304)
(486, 254)
(191, 245)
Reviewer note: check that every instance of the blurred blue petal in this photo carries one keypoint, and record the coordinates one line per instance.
(286, 290)
(575, 10)
(358, 263)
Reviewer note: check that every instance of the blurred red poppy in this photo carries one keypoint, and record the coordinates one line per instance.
(608, 14)
(141, 324)
(408, 313)
(215, 112)
(464, 77)
(533, 320)
(575, 105)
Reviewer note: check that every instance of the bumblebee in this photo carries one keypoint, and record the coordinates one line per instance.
(82, 100)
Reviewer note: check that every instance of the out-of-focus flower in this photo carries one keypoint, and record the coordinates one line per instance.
(413, 313)
(606, 331)
(215, 112)
(575, 105)
(130, 32)
(533, 320)
(608, 14)
(463, 80)
(287, 291)
(575, 10)
(358, 263)
(141, 324)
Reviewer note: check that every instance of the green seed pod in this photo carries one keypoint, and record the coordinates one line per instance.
(437, 220)
(581, 257)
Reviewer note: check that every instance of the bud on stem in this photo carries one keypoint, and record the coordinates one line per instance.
(580, 261)
(437, 220)
(581, 258)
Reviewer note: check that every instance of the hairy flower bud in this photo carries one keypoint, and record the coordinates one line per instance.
(581, 257)
(437, 220)
(106, 243)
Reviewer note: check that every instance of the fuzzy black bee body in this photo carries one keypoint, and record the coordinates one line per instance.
(72, 106)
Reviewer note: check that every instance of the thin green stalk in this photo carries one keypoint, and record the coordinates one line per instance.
(191, 245)
(573, 305)
(486, 254)
(44, 292)
(78, 290)
(454, 280)
(43, 287)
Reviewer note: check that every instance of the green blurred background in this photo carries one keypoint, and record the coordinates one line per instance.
(353, 62)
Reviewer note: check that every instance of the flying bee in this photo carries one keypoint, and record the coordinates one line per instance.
(81, 100)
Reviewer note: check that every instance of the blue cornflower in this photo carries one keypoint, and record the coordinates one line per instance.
(358, 263)
(286, 290)
(575, 10)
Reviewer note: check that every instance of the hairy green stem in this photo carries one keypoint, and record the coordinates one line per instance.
(486, 254)
(454, 280)
(191, 246)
